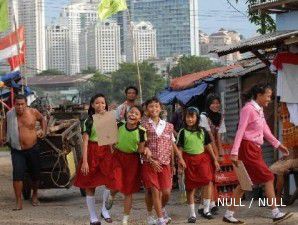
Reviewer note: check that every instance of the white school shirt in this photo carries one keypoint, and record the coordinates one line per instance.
(205, 123)
(160, 127)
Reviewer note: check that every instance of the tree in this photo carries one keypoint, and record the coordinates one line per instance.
(39, 91)
(127, 75)
(191, 64)
(263, 20)
(99, 83)
(51, 72)
(89, 70)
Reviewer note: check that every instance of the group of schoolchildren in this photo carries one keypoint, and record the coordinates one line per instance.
(144, 156)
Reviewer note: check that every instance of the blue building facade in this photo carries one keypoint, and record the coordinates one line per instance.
(176, 24)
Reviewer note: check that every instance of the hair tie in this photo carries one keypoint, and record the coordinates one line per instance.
(194, 109)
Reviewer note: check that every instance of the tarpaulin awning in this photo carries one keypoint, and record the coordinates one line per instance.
(168, 96)
(11, 76)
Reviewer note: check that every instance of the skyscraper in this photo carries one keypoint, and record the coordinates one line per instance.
(76, 17)
(144, 36)
(57, 48)
(176, 23)
(101, 42)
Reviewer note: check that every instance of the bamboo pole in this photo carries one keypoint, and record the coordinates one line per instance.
(135, 52)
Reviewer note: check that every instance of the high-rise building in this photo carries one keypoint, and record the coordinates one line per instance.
(101, 42)
(83, 42)
(176, 23)
(144, 36)
(123, 19)
(77, 16)
(57, 48)
(221, 38)
(31, 15)
(204, 43)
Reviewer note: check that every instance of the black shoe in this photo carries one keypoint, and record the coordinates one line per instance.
(200, 211)
(108, 220)
(284, 217)
(214, 210)
(226, 220)
(192, 219)
(95, 223)
(207, 216)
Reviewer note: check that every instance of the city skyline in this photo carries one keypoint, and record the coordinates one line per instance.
(213, 15)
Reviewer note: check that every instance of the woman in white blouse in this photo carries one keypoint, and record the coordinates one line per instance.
(213, 121)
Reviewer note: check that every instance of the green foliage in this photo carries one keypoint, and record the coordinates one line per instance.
(263, 21)
(90, 70)
(191, 64)
(38, 90)
(113, 87)
(127, 75)
(99, 83)
(102, 84)
(51, 72)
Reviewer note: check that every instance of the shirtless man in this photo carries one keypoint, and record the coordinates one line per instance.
(22, 140)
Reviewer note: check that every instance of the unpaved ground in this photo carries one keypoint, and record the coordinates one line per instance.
(63, 207)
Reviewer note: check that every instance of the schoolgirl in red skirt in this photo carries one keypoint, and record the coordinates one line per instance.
(251, 131)
(95, 168)
(126, 159)
(193, 140)
(213, 121)
(156, 169)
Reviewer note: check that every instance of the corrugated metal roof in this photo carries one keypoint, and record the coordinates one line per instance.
(258, 42)
(189, 80)
(274, 6)
(241, 68)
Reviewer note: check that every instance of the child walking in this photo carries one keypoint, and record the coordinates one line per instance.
(192, 140)
(126, 158)
(247, 148)
(156, 171)
(213, 121)
(95, 166)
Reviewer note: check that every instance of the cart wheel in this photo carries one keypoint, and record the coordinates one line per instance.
(83, 192)
(26, 191)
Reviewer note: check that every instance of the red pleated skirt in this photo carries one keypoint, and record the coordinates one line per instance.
(160, 180)
(251, 156)
(127, 170)
(100, 168)
(198, 170)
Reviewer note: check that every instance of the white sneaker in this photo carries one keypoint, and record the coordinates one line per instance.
(151, 220)
(161, 222)
(167, 218)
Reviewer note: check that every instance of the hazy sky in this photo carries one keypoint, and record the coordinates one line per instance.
(213, 14)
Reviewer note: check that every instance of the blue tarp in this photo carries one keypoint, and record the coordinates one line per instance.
(168, 96)
(11, 76)
(11, 80)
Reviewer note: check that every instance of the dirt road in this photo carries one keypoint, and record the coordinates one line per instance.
(67, 207)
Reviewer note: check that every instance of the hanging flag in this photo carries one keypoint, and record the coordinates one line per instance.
(4, 21)
(16, 61)
(12, 43)
(107, 8)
